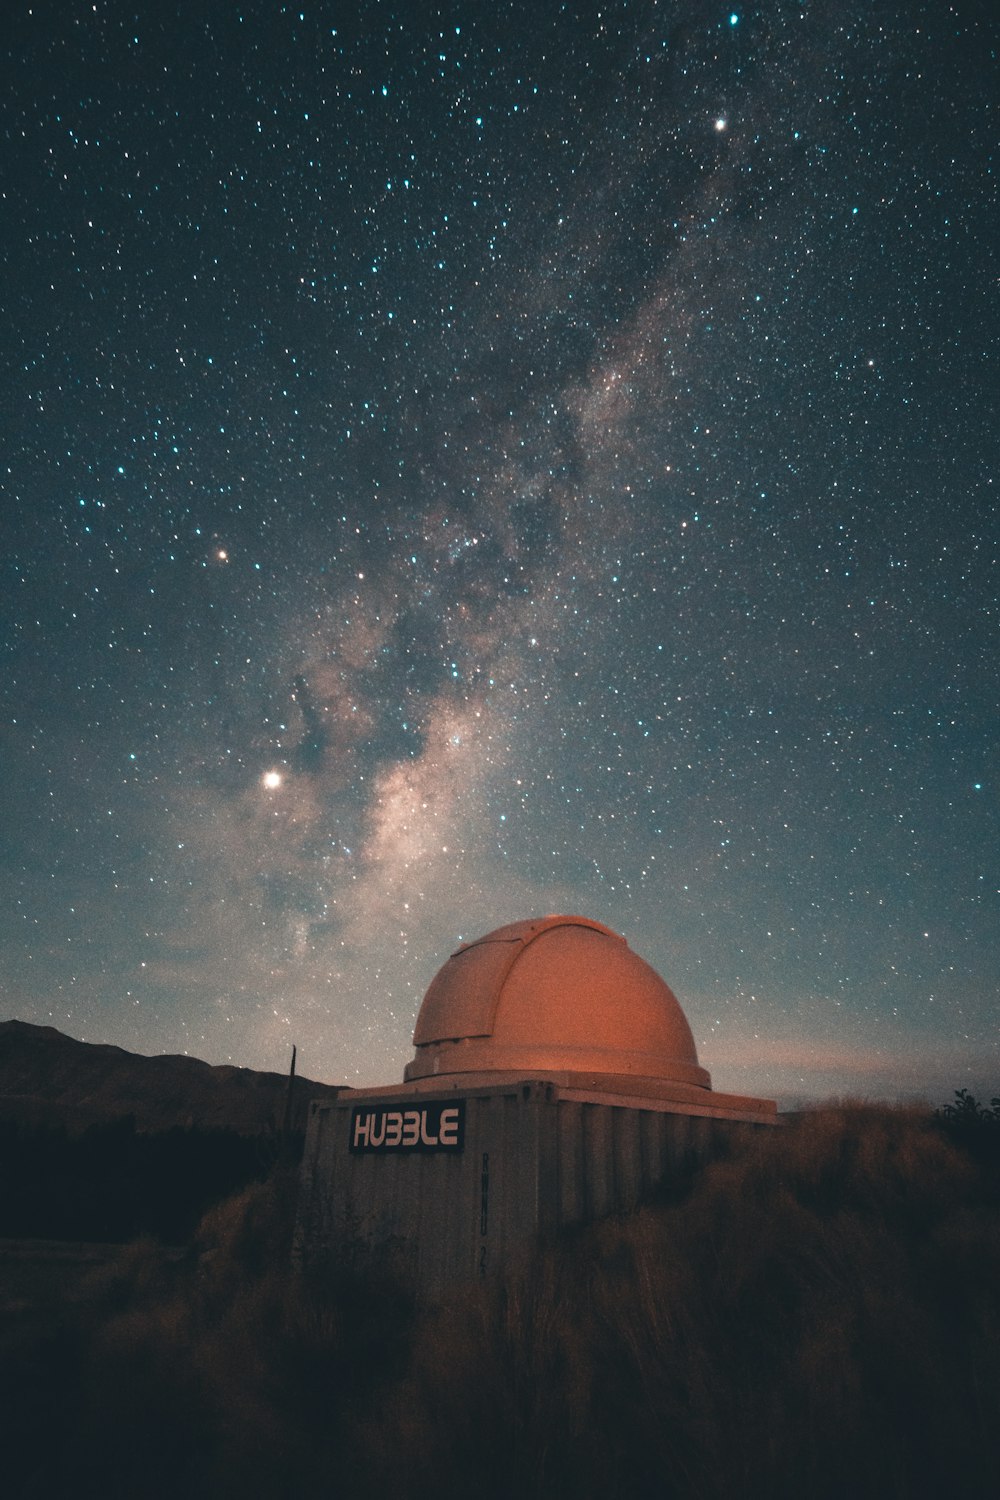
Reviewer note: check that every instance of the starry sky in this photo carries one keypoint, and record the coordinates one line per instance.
(474, 460)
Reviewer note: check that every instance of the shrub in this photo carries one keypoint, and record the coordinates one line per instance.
(818, 1315)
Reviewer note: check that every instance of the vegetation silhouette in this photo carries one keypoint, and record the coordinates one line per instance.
(973, 1125)
(818, 1314)
(112, 1182)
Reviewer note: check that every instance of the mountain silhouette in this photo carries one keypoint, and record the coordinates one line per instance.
(47, 1078)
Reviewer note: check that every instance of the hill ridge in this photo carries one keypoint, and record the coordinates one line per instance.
(47, 1077)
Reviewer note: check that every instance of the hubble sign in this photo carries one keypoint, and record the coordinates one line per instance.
(428, 1127)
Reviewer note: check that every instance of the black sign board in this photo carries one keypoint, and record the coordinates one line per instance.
(435, 1126)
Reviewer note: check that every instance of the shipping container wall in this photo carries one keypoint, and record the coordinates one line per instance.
(530, 1162)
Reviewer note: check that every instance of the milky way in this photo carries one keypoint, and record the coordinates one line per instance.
(470, 461)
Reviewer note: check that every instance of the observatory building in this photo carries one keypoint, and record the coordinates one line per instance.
(554, 1081)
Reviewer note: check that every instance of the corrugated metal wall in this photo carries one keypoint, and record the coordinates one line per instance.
(532, 1162)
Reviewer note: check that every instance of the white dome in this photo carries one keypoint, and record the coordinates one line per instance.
(556, 994)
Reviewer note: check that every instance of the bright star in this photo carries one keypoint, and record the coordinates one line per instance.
(271, 779)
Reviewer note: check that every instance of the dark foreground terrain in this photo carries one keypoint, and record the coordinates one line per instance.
(819, 1316)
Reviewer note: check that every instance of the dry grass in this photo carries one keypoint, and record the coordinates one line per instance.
(820, 1316)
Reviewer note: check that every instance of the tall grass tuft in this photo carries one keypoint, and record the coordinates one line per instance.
(819, 1315)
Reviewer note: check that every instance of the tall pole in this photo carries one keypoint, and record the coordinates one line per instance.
(286, 1128)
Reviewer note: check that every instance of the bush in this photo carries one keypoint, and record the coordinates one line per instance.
(819, 1315)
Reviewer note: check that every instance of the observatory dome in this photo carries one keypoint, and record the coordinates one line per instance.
(553, 995)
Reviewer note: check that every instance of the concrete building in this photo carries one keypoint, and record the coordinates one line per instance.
(554, 1081)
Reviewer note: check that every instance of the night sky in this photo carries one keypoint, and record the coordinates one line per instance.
(462, 462)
